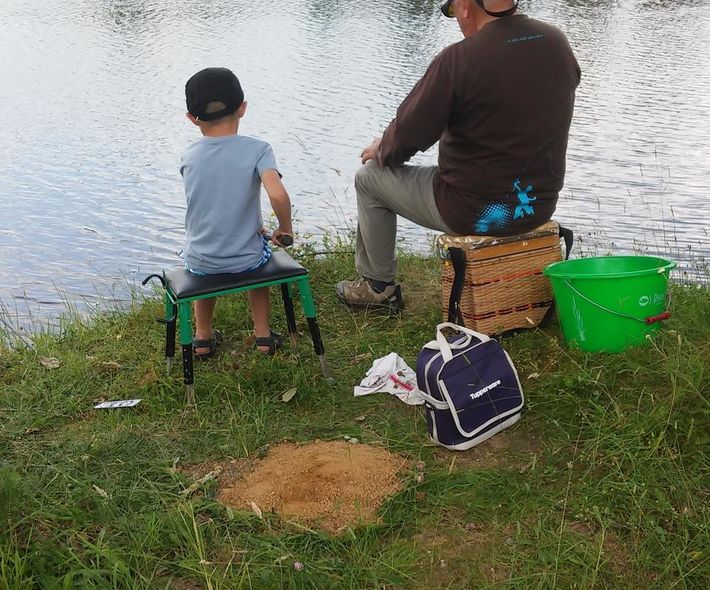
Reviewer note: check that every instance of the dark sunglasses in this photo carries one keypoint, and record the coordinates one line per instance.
(447, 9)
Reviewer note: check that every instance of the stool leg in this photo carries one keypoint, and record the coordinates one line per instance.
(170, 312)
(287, 297)
(309, 308)
(186, 342)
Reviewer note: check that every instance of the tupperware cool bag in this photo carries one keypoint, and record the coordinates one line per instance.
(470, 386)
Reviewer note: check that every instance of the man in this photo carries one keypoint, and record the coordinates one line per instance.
(500, 104)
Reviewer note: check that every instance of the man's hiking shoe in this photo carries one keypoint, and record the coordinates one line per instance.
(360, 293)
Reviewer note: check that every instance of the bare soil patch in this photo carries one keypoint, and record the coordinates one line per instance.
(326, 484)
(458, 558)
(228, 470)
(512, 449)
(618, 553)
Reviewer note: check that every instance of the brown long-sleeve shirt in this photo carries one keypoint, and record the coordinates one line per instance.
(500, 104)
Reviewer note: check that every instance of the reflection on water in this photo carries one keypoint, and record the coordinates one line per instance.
(94, 127)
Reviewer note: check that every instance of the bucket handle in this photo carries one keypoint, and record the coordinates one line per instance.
(657, 318)
(648, 321)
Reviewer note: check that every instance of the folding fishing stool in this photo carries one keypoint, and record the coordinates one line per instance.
(182, 287)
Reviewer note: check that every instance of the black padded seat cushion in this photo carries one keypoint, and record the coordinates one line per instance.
(185, 284)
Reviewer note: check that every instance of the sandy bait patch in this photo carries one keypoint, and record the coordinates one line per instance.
(327, 484)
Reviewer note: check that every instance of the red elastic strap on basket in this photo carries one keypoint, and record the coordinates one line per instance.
(658, 318)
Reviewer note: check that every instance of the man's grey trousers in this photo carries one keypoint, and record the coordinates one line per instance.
(382, 194)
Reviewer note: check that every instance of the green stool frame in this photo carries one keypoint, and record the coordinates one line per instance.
(182, 287)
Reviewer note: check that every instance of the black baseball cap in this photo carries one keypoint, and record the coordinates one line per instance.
(211, 85)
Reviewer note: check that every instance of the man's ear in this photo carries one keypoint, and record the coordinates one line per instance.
(192, 118)
(242, 109)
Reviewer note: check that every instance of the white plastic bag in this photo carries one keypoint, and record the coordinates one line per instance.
(391, 374)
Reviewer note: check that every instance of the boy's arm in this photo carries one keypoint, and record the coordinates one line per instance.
(280, 203)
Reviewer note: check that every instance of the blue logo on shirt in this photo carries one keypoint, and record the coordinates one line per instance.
(524, 208)
(525, 38)
(497, 216)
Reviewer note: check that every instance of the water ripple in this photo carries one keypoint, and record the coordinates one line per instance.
(93, 198)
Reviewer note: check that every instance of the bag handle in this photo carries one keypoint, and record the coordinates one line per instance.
(437, 403)
(568, 236)
(446, 347)
(458, 261)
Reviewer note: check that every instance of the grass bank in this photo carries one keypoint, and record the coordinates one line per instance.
(603, 483)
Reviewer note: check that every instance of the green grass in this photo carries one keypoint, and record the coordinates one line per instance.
(603, 483)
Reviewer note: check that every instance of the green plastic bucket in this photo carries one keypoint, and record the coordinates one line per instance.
(609, 303)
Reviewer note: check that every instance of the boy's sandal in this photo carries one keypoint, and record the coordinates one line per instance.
(208, 343)
(274, 341)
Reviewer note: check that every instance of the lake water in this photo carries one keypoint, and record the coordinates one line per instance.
(92, 92)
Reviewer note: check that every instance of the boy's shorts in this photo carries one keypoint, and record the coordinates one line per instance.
(265, 256)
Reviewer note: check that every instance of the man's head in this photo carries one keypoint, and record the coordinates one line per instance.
(214, 94)
(472, 15)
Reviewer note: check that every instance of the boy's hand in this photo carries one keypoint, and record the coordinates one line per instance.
(281, 205)
(282, 238)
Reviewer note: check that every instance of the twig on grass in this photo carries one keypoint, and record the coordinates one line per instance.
(202, 481)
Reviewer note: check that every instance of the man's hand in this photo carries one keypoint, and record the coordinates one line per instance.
(371, 151)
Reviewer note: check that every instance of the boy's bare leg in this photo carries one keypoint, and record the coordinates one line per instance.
(260, 305)
(204, 312)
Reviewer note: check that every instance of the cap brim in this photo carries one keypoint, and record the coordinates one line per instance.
(228, 110)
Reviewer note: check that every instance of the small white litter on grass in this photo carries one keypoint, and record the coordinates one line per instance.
(120, 403)
(49, 362)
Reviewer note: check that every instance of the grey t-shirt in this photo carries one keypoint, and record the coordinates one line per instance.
(222, 177)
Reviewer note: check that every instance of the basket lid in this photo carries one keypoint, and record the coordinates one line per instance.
(474, 242)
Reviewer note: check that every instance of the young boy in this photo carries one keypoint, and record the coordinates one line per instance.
(223, 173)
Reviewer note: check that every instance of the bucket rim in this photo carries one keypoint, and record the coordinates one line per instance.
(555, 270)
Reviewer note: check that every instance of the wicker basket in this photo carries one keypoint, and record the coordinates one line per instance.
(504, 288)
